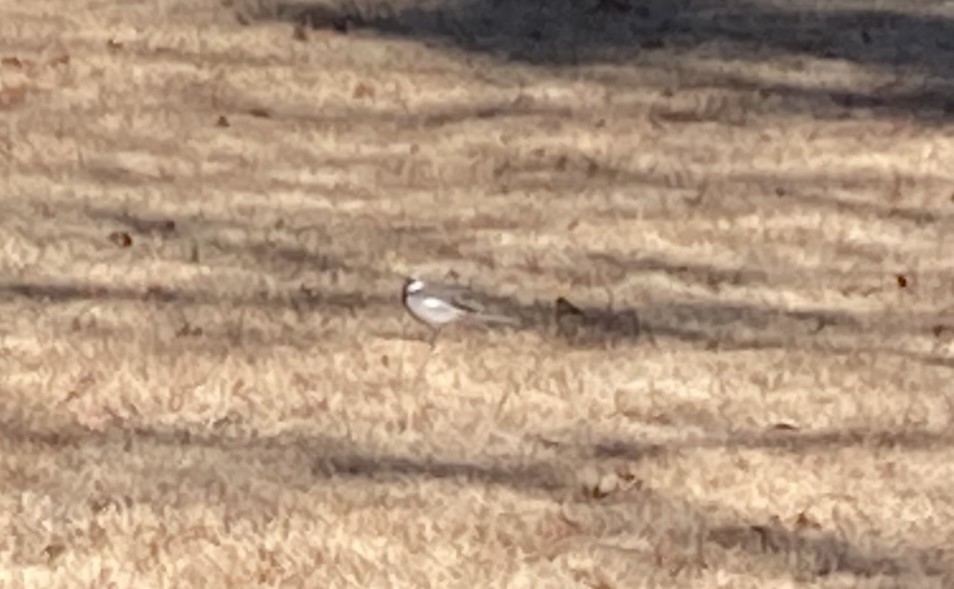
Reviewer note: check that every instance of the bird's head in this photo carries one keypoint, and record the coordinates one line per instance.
(412, 285)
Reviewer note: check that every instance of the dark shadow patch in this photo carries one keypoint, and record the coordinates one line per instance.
(820, 554)
(784, 441)
(616, 268)
(567, 33)
(301, 461)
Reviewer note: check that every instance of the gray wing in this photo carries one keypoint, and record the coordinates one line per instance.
(458, 295)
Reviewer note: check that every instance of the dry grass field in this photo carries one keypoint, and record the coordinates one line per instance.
(207, 210)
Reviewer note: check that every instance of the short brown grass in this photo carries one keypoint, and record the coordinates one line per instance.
(207, 380)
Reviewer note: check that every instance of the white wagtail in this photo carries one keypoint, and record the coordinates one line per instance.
(437, 306)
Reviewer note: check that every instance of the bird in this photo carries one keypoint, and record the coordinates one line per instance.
(437, 306)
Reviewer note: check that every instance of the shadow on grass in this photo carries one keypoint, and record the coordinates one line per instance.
(559, 33)
(302, 461)
(290, 255)
(707, 324)
(50, 292)
(786, 441)
(715, 325)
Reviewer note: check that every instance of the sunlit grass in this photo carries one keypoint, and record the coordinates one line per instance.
(207, 379)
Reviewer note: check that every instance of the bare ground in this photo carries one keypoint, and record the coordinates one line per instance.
(207, 380)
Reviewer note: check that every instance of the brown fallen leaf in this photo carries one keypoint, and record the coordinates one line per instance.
(12, 97)
(62, 59)
(803, 521)
(189, 330)
(120, 238)
(565, 308)
(53, 551)
(362, 90)
(902, 281)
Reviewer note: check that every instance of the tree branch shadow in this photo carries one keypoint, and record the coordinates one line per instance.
(301, 461)
(555, 34)
(291, 260)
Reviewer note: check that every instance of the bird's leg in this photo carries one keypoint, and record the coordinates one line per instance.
(432, 341)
